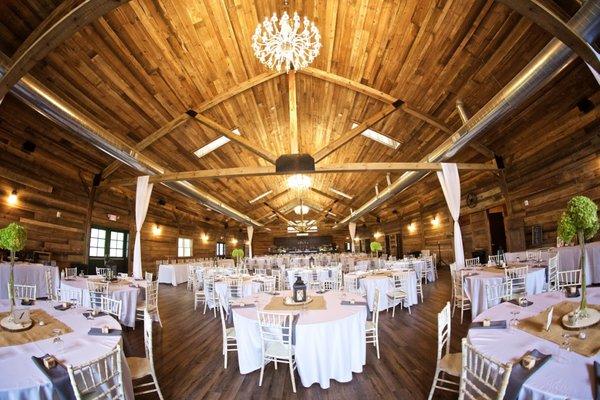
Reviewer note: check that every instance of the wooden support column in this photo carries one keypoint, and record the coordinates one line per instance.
(87, 226)
(294, 139)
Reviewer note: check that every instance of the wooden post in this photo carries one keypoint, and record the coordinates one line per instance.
(87, 226)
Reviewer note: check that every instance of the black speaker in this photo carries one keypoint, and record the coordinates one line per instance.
(191, 113)
(28, 147)
(295, 163)
(585, 105)
(499, 161)
(97, 179)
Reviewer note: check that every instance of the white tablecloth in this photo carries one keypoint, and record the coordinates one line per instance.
(330, 344)
(118, 291)
(27, 274)
(173, 273)
(368, 283)
(474, 286)
(249, 288)
(307, 275)
(418, 265)
(566, 376)
(21, 379)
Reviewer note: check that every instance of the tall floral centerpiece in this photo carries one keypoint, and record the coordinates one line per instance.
(375, 248)
(237, 255)
(12, 238)
(580, 219)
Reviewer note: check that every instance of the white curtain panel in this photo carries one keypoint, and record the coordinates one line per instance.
(450, 182)
(142, 199)
(250, 234)
(352, 228)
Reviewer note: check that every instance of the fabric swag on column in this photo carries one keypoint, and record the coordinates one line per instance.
(352, 228)
(450, 182)
(250, 234)
(142, 199)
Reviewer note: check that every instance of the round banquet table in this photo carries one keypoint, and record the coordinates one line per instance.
(27, 274)
(119, 290)
(249, 287)
(474, 285)
(307, 275)
(418, 265)
(369, 282)
(330, 344)
(21, 379)
(567, 375)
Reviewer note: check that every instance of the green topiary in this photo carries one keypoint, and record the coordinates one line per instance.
(581, 219)
(12, 238)
(375, 247)
(237, 253)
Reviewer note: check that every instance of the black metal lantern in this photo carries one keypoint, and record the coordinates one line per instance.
(299, 290)
(311, 262)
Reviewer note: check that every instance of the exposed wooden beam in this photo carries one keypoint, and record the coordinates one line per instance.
(248, 145)
(49, 225)
(319, 169)
(548, 20)
(86, 12)
(354, 132)
(24, 180)
(279, 214)
(181, 119)
(294, 139)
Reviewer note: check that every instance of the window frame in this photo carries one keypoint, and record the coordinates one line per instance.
(184, 240)
(107, 243)
(223, 246)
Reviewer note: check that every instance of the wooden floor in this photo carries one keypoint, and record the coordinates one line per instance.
(190, 365)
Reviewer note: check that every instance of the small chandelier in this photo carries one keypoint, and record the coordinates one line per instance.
(301, 209)
(277, 44)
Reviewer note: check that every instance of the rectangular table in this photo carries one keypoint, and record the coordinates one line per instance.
(173, 273)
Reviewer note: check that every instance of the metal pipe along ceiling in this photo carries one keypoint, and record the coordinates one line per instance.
(544, 67)
(41, 99)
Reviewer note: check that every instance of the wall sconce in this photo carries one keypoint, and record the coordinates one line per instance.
(357, 239)
(156, 230)
(204, 237)
(12, 198)
(435, 222)
(234, 241)
(412, 227)
(377, 235)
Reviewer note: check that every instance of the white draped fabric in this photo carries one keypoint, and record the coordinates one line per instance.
(352, 228)
(450, 182)
(250, 230)
(142, 199)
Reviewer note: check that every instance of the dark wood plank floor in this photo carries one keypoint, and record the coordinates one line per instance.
(190, 365)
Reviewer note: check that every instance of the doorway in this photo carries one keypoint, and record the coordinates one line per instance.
(497, 231)
(108, 244)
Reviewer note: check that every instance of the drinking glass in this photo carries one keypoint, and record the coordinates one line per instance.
(60, 344)
(514, 321)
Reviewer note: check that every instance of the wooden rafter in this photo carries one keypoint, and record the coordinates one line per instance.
(292, 99)
(31, 53)
(548, 20)
(248, 145)
(354, 132)
(182, 118)
(25, 180)
(319, 169)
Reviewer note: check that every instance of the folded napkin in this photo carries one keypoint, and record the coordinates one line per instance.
(516, 302)
(597, 375)
(139, 279)
(272, 293)
(321, 291)
(520, 374)
(30, 302)
(133, 285)
(58, 376)
(245, 305)
(61, 308)
(569, 295)
(87, 314)
(360, 303)
(98, 332)
(493, 325)
(284, 331)
(229, 319)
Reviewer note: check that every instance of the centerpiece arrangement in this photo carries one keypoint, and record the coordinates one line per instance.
(13, 238)
(237, 255)
(580, 219)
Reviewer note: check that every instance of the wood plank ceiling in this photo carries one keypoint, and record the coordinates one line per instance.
(143, 65)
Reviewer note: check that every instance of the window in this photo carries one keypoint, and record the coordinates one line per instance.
(347, 246)
(117, 244)
(97, 242)
(220, 249)
(184, 247)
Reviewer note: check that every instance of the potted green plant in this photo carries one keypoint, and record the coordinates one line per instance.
(375, 248)
(12, 238)
(580, 219)
(237, 255)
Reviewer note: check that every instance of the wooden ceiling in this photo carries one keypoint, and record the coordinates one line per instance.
(137, 70)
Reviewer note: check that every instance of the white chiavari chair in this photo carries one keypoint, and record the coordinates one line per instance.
(141, 367)
(482, 377)
(471, 262)
(330, 284)
(24, 291)
(150, 303)
(498, 292)
(496, 259)
(73, 296)
(51, 289)
(260, 271)
(566, 279)
(198, 289)
(276, 331)
(229, 338)
(235, 289)
(70, 272)
(552, 283)
(351, 283)
(459, 296)
(372, 327)
(96, 290)
(149, 276)
(98, 379)
(447, 363)
(533, 255)
(518, 278)
(430, 270)
(268, 284)
(244, 271)
(399, 293)
(101, 271)
(210, 294)
(425, 253)
(111, 306)
(190, 277)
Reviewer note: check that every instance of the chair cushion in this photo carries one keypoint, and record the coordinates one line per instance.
(396, 293)
(275, 349)
(370, 326)
(451, 363)
(230, 332)
(139, 367)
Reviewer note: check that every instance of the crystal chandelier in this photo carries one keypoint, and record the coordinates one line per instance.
(301, 209)
(277, 44)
